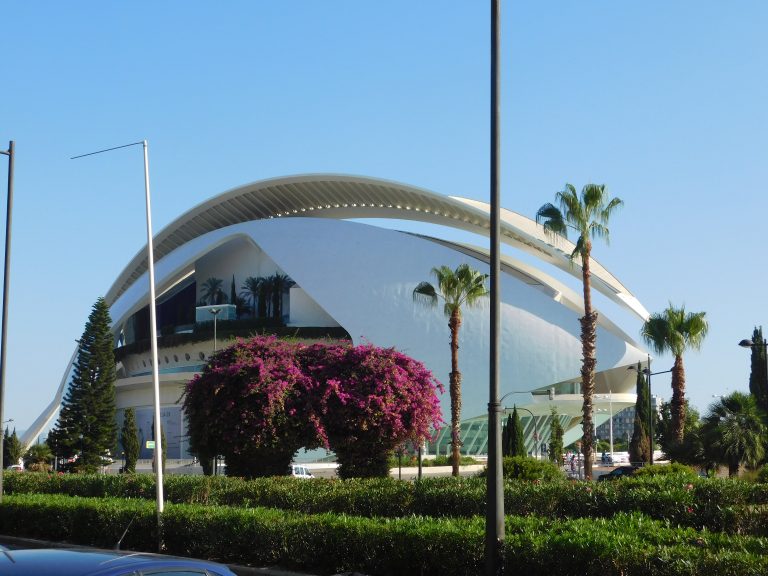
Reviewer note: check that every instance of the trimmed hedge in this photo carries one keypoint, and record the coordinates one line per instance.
(721, 505)
(626, 544)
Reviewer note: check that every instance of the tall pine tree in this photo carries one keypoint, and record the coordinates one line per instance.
(129, 438)
(86, 426)
(758, 376)
(640, 445)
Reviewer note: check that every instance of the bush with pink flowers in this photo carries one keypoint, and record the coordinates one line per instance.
(260, 400)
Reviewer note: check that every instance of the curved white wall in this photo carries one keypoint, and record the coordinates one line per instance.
(363, 277)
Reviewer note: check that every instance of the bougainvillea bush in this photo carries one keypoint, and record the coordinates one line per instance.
(260, 400)
(371, 400)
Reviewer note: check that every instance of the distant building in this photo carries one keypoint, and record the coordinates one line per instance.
(624, 423)
(353, 280)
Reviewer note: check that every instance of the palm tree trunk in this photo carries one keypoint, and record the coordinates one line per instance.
(454, 324)
(588, 362)
(677, 405)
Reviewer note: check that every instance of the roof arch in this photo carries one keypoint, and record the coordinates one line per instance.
(341, 197)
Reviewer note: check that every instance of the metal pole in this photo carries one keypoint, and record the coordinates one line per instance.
(153, 337)
(215, 312)
(494, 526)
(610, 425)
(420, 456)
(6, 282)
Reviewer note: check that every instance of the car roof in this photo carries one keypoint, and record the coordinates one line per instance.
(66, 562)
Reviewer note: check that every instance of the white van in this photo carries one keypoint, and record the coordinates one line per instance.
(298, 471)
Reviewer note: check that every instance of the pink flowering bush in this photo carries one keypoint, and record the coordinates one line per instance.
(246, 406)
(260, 400)
(370, 400)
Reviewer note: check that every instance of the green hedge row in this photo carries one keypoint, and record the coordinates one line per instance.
(717, 504)
(626, 544)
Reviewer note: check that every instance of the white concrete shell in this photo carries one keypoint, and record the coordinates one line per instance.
(363, 277)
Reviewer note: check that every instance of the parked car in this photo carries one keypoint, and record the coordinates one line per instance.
(70, 562)
(619, 472)
(298, 471)
(16, 467)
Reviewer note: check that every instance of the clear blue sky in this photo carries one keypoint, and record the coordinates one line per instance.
(665, 102)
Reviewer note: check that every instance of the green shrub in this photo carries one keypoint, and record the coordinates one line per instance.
(526, 468)
(671, 469)
(625, 544)
(722, 505)
(441, 460)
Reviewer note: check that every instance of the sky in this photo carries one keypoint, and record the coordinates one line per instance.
(664, 102)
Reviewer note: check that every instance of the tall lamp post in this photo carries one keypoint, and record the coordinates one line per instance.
(215, 312)
(648, 374)
(152, 330)
(6, 281)
(746, 343)
(494, 517)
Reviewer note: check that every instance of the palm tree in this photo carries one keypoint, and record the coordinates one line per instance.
(676, 331)
(279, 283)
(251, 289)
(211, 291)
(265, 297)
(588, 215)
(734, 429)
(456, 288)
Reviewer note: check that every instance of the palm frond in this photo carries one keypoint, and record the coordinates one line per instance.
(592, 196)
(655, 332)
(550, 217)
(605, 214)
(696, 328)
(425, 294)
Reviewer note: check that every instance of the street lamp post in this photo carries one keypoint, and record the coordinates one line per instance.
(746, 343)
(647, 372)
(152, 332)
(215, 312)
(6, 281)
(494, 518)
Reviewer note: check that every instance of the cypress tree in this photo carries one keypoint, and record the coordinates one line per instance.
(556, 439)
(6, 438)
(129, 438)
(758, 377)
(505, 437)
(14, 449)
(86, 424)
(640, 445)
(516, 442)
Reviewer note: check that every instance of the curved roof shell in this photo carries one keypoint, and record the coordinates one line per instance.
(346, 197)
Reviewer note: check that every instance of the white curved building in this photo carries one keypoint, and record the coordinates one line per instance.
(357, 279)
